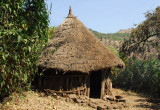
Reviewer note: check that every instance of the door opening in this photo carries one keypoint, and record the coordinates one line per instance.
(95, 84)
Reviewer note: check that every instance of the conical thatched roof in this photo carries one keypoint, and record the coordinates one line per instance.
(75, 48)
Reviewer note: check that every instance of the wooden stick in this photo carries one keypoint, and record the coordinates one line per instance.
(85, 82)
(103, 83)
(88, 86)
(62, 92)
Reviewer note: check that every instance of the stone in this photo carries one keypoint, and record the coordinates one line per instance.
(87, 98)
(77, 100)
(110, 98)
(83, 101)
(118, 97)
(120, 100)
(120, 107)
(42, 94)
(65, 95)
(67, 99)
(109, 107)
(92, 105)
(54, 94)
(57, 97)
(112, 102)
(84, 104)
(93, 101)
(72, 96)
(101, 107)
(126, 105)
(115, 107)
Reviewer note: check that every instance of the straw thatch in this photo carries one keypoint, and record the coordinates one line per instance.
(75, 48)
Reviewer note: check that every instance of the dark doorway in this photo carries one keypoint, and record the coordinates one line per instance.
(95, 84)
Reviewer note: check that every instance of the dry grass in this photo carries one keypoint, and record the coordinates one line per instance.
(33, 101)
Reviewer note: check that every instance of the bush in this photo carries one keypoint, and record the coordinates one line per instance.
(140, 76)
(23, 33)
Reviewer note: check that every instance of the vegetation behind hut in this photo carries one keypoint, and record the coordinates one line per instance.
(142, 72)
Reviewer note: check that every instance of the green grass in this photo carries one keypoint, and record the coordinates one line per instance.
(112, 36)
(113, 50)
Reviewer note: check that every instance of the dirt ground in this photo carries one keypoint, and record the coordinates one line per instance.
(137, 101)
(31, 100)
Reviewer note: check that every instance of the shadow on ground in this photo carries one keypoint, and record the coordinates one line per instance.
(150, 104)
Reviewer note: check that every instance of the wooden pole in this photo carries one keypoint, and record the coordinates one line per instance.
(88, 85)
(103, 77)
(85, 86)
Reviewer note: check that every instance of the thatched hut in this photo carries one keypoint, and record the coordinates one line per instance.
(75, 61)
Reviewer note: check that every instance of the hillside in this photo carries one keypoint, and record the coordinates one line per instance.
(112, 36)
(111, 40)
(125, 30)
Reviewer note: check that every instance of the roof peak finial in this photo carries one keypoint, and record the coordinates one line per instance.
(70, 10)
(70, 14)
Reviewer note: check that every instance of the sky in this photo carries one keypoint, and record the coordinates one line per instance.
(105, 16)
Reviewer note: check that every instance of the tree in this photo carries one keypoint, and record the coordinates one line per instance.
(140, 36)
(23, 33)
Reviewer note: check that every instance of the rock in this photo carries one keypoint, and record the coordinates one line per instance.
(112, 102)
(83, 101)
(65, 95)
(102, 107)
(77, 100)
(109, 107)
(87, 98)
(93, 101)
(72, 96)
(118, 97)
(119, 100)
(67, 99)
(92, 105)
(126, 105)
(110, 98)
(42, 94)
(54, 94)
(84, 104)
(57, 97)
(115, 107)
(120, 107)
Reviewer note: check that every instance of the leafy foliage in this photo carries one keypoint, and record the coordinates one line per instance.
(143, 76)
(23, 33)
(113, 50)
(51, 31)
(140, 36)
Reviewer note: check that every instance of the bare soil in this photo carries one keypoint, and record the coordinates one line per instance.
(32, 100)
(137, 101)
